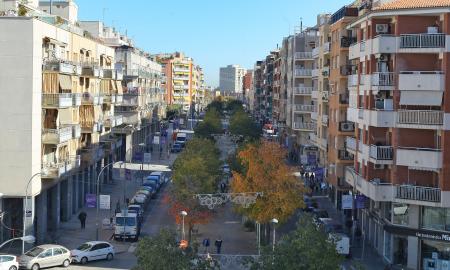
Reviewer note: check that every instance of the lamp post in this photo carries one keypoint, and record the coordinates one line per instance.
(27, 238)
(183, 214)
(274, 221)
(125, 167)
(98, 196)
(25, 210)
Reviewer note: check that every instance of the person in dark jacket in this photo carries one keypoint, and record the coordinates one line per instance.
(82, 217)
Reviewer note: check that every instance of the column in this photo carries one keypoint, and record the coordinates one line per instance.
(41, 216)
(56, 206)
(66, 199)
(81, 189)
(75, 195)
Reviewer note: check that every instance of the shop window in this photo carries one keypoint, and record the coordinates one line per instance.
(436, 218)
(435, 255)
(400, 251)
(400, 214)
(387, 246)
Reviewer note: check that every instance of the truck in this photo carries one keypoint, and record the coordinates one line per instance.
(336, 234)
(127, 226)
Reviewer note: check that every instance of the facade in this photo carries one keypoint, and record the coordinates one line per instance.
(231, 79)
(399, 104)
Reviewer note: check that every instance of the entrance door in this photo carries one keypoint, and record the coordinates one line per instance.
(400, 250)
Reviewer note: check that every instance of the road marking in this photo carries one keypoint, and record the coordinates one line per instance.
(232, 222)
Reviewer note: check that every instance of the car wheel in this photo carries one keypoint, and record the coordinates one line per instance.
(35, 267)
(13, 267)
(109, 257)
(66, 263)
(84, 260)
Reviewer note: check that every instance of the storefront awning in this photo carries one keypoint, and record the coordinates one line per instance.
(428, 98)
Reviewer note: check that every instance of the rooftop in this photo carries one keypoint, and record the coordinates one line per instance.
(407, 4)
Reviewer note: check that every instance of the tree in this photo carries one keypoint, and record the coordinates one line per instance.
(211, 124)
(242, 125)
(265, 171)
(196, 170)
(233, 105)
(162, 252)
(217, 105)
(173, 110)
(306, 248)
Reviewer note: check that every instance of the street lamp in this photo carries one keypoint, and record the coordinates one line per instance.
(125, 167)
(98, 195)
(27, 238)
(25, 208)
(274, 221)
(183, 214)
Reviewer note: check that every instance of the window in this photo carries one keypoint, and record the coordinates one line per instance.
(57, 251)
(400, 214)
(436, 218)
(45, 254)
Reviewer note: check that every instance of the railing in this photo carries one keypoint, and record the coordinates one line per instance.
(353, 80)
(381, 152)
(57, 100)
(302, 90)
(418, 193)
(315, 52)
(306, 108)
(383, 79)
(326, 47)
(130, 100)
(420, 117)
(303, 72)
(422, 41)
(361, 113)
(362, 46)
(346, 70)
(56, 136)
(325, 119)
(343, 99)
(347, 41)
(351, 143)
(51, 167)
(344, 155)
(303, 55)
(304, 125)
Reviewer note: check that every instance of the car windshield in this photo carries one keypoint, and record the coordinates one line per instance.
(84, 247)
(34, 252)
(133, 209)
(181, 139)
(130, 221)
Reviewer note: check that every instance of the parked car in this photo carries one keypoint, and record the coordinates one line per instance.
(176, 148)
(149, 188)
(138, 210)
(8, 262)
(45, 256)
(92, 251)
(320, 213)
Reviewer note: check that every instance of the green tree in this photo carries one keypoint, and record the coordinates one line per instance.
(211, 124)
(217, 105)
(306, 248)
(233, 105)
(161, 252)
(242, 125)
(172, 111)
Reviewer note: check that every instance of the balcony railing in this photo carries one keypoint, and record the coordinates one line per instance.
(62, 100)
(304, 126)
(52, 168)
(302, 90)
(414, 117)
(362, 46)
(422, 41)
(324, 119)
(343, 99)
(304, 108)
(303, 55)
(326, 47)
(383, 79)
(381, 152)
(347, 41)
(56, 136)
(353, 80)
(130, 100)
(418, 193)
(303, 72)
(76, 99)
(344, 155)
(351, 143)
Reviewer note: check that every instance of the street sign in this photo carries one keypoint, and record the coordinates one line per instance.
(147, 158)
(156, 140)
(105, 202)
(347, 202)
(91, 200)
(29, 213)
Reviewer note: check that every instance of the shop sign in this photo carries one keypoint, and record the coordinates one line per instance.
(105, 202)
(91, 200)
(360, 201)
(419, 233)
(347, 201)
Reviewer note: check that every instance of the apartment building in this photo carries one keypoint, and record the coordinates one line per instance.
(231, 79)
(400, 109)
(338, 126)
(180, 76)
(320, 93)
(60, 91)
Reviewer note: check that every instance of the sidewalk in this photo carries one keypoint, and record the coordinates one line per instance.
(372, 261)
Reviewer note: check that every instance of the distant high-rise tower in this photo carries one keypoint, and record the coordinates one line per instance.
(231, 79)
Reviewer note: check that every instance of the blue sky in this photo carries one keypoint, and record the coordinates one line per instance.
(215, 33)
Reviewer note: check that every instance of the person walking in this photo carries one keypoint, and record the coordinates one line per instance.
(206, 244)
(82, 217)
(218, 244)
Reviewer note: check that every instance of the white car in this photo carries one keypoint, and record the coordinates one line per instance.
(8, 262)
(92, 251)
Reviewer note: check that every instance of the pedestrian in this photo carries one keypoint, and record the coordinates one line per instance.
(82, 217)
(218, 244)
(222, 187)
(206, 244)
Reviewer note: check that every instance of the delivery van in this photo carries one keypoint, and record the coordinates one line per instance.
(127, 226)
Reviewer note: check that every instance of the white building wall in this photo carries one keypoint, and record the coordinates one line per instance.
(231, 78)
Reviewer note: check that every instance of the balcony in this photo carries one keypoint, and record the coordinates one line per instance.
(315, 72)
(384, 44)
(383, 81)
(76, 131)
(92, 69)
(109, 74)
(93, 128)
(420, 119)
(346, 126)
(91, 154)
(343, 99)
(303, 91)
(422, 41)
(130, 100)
(351, 143)
(315, 94)
(325, 119)
(354, 51)
(56, 136)
(76, 99)
(315, 52)
(304, 108)
(352, 80)
(419, 158)
(119, 74)
(301, 72)
(91, 99)
(51, 168)
(303, 56)
(326, 71)
(347, 41)
(58, 101)
(326, 47)
(344, 155)
(304, 126)
(347, 70)
(421, 81)
(60, 66)
(381, 154)
(375, 189)
(314, 116)
(119, 99)
(181, 78)
(418, 193)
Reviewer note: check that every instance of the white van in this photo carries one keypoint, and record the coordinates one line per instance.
(181, 138)
(126, 226)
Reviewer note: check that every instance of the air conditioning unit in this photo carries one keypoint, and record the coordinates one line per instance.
(378, 166)
(382, 28)
(383, 58)
(347, 127)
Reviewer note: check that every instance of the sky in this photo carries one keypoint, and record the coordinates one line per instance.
(215, 33)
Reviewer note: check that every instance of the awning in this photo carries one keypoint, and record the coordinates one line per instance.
(113, 86)
(54, 41)
(429, 98)
(108, 60)
(65, 82)
(119, 87)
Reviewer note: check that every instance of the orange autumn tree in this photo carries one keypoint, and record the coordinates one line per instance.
(265, 171)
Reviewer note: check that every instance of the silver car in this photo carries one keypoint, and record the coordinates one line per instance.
(45, 256)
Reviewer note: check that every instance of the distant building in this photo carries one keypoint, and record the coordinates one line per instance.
(231, 79)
